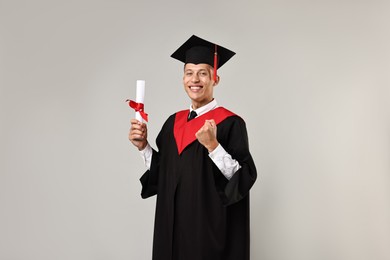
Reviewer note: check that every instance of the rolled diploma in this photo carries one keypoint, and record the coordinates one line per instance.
(139, 98)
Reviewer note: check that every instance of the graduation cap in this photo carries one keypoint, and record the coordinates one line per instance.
(197, 50)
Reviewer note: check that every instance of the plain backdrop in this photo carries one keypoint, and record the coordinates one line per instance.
(310, 78)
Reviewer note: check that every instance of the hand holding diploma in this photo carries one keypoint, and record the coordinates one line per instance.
(138, 131)
(138, 134)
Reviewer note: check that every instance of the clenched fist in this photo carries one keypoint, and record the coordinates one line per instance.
(207, 135)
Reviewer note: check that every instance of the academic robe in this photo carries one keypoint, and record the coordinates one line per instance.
(200, 214)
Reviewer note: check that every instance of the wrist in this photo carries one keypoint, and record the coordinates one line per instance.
(212, 146)
(143, 146)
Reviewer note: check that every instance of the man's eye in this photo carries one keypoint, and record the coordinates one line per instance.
(203, 74)
(188, 74)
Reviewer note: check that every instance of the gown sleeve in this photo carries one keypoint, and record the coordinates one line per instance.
(234, 139)
(149, 180)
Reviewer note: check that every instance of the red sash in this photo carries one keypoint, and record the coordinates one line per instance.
(184, 131)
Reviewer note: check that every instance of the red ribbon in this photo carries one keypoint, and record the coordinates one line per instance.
(138, 107)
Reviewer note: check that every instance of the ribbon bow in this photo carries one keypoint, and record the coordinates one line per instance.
(138, 107)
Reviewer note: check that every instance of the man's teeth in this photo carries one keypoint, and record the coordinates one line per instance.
(195, 87)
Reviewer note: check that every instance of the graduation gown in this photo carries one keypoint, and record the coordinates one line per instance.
(200, 214)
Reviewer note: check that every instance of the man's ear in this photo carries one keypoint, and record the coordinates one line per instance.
(217, 81)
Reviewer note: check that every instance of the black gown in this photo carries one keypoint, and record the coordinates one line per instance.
(200, 214)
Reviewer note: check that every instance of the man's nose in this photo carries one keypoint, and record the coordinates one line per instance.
(195, 78)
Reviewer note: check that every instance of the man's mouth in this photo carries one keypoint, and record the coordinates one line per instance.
(196, 88)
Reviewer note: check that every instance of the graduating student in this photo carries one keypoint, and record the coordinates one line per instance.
(202, 170)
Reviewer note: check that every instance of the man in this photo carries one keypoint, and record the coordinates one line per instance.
(202, 171)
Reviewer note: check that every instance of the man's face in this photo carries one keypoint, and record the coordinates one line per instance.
(199, 84)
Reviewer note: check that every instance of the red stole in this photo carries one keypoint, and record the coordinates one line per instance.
(184, 131)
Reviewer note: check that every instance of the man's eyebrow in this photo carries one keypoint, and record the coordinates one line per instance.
(192, 70)
(199, 70)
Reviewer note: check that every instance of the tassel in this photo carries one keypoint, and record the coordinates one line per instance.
(215, 63)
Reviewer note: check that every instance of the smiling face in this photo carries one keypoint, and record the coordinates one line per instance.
(199, 84)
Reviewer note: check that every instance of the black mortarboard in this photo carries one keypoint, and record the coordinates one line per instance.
(197, 50)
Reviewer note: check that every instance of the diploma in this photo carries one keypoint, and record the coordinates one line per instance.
(139, 98)
(138, 104)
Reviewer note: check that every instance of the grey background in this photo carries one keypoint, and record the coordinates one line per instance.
(311, 79)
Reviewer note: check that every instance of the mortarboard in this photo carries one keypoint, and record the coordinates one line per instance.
(197, 50)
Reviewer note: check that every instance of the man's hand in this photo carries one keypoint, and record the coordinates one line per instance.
(207, 135)
(138, 134)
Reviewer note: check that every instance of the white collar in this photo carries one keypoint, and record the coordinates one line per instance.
(206, 108)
